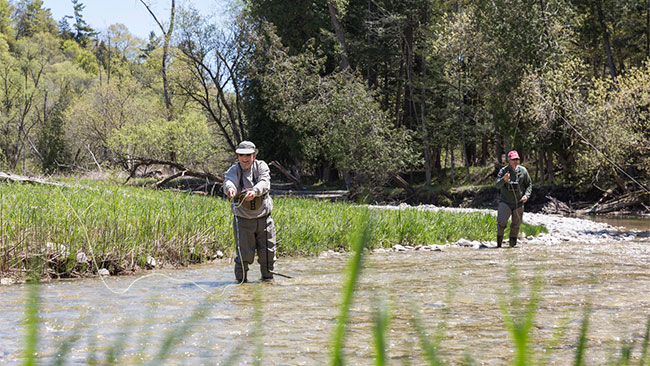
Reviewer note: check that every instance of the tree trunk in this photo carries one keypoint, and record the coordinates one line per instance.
(425, 135)
(398, 93)
(338, 29)
(167, 33)
(499, 143)
(484, 150)
(540, 167)
(606, 40)
(647, 29)
(451, 165)
(550, 167)
(409, 102)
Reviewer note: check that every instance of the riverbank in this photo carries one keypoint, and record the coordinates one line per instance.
(52, 232)
(561, 229)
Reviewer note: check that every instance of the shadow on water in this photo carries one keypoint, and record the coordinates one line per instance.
(208, 284)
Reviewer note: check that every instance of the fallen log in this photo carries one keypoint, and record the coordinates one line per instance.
(632, 199)
(556, 207)
(181, 170)
(404, 184)
(285, 172)
(32, 180)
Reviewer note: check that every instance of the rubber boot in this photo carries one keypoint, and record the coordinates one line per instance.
(513, 242)
(499, 241)
(241, 276)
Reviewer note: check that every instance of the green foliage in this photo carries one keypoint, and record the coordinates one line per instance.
(189, 139)
(83, 31)
(101, 111)
(591, 124)
(32, 18)
(81, 56)
(6, 28)
(337, 117)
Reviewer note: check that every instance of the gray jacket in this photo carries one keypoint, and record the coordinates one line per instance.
(257, 178)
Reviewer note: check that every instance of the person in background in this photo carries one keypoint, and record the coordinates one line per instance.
(515, 187)
(248, 182)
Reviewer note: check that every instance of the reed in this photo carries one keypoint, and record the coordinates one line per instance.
(56, 232)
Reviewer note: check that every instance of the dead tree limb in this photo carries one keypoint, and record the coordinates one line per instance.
(404, 184)
(33, 180)
(285, 172)
(181, 170)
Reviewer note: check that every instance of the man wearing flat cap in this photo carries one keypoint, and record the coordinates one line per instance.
(515, 187)
(247, 183)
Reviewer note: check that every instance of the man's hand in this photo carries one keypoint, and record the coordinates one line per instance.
(524, 199)
(506, 176)
(231, 193)
(250, 195)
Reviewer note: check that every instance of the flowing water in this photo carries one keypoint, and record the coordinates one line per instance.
(460, 286)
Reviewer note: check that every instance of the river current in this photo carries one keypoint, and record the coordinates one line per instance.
(460, 287)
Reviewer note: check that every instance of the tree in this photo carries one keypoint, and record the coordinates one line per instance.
(337, 117)
(83, 31)
(24, 79)
(32, 18)
(212, 62)
(65, 30)
(189, 138)
(100, 111)
(6, 29)
(167, 36)
(127, 45)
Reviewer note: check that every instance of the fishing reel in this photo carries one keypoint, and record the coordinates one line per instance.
(240, 200)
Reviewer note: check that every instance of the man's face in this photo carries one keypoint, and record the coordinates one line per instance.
(246, 160)
(514, 163)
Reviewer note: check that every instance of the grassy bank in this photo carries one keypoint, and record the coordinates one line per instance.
(58, 232)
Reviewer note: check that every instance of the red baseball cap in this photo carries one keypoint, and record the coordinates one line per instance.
(513, 155)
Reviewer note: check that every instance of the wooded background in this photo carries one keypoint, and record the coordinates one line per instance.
(358, 89)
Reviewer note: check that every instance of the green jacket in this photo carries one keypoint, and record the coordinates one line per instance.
(518, 185)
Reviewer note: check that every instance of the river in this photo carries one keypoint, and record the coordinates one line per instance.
(462, 286)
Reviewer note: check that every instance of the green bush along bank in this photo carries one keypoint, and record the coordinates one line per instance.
(62, 232)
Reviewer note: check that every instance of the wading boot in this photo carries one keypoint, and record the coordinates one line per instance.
(513, 242)
(241, 276)
(499, 241)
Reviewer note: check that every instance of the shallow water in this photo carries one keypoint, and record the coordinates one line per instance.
(299, 314)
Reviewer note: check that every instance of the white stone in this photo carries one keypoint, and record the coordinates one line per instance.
(151, 261)
(464, 243)
(219, 254)
(82, 257)
(7, 281)
(103, 272)
(56, 249)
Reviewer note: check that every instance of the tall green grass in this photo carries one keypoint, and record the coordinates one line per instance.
(47, 231)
